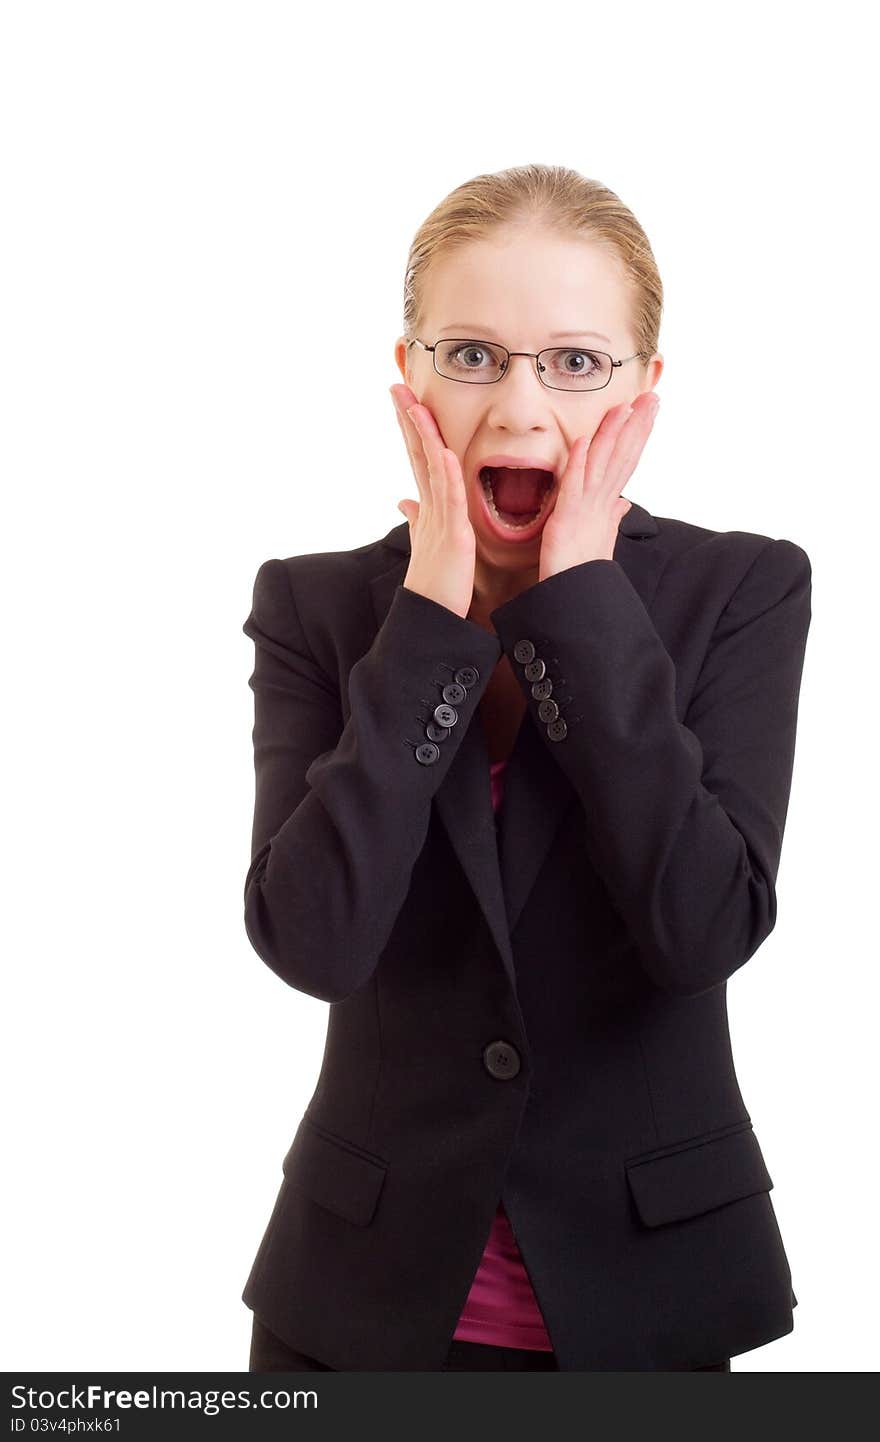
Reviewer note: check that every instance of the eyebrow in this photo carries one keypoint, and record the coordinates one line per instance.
(487, 330)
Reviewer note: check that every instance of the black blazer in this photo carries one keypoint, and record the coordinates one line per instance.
(537, 1014)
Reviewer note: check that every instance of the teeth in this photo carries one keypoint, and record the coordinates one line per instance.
(511, 525)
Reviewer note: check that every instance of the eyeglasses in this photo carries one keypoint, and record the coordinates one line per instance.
(482, 363)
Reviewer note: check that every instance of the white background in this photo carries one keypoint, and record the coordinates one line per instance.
(196, 197)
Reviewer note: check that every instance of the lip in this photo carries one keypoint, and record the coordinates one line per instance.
(538, 463)
(503, 533)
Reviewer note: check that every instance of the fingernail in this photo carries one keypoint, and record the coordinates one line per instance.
(411, 414)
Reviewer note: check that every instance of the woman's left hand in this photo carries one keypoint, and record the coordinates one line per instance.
(589, 508)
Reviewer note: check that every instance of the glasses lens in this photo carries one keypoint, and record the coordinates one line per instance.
(575, 370)
(470, 360)
(480, 362)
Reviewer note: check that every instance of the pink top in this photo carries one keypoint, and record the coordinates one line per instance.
(501, 1307)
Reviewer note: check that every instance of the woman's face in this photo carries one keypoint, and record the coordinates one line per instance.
(531, 290)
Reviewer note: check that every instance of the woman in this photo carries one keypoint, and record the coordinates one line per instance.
(527, 1147)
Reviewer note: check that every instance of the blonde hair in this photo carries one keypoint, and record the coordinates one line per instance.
(547, 196)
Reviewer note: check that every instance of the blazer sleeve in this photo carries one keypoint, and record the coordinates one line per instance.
(341, 812)
(684, 819)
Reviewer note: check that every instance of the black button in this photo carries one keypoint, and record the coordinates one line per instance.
(454, 693)
(435, 732)
(501, 1060)
(542, 689)
(524, 651)
(535, 670)
(548, 710)
(467, 676)
(427, 753)
(557, 730)
(445, 715)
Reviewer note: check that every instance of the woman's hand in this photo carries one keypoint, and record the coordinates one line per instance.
(443, 546)
(589, 508)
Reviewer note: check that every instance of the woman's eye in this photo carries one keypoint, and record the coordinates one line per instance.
(576, 362)
(473, 356)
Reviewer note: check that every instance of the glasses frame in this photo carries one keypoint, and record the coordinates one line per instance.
(532, 355)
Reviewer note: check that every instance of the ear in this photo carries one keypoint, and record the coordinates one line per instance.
(653, 371)
(401, 357)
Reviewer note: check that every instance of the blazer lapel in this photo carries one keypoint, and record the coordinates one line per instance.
(502, 864)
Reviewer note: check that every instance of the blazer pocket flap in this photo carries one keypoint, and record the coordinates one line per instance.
(697, 1177)
(334, 1172)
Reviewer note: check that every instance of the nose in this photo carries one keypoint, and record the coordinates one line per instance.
(520, 400)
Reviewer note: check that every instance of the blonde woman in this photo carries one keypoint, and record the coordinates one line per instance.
(522, 774)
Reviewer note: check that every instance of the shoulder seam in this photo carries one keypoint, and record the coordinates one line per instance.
(745, 576)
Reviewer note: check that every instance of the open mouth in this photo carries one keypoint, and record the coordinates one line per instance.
(517, 498)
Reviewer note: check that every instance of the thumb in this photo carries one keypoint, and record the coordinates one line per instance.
(409, 510)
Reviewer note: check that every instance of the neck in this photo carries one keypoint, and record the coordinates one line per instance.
(493, 586)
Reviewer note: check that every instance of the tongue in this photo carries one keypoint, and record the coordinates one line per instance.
(518, 493)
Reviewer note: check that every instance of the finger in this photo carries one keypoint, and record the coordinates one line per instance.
(594, 450)
(614, 423)
(411, 438)
(434, 450)
(416, 457)
(456, 492)
(402, 396)
(571, 485)
(628, 447)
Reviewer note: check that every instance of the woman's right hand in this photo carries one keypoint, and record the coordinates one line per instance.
(443, 546)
